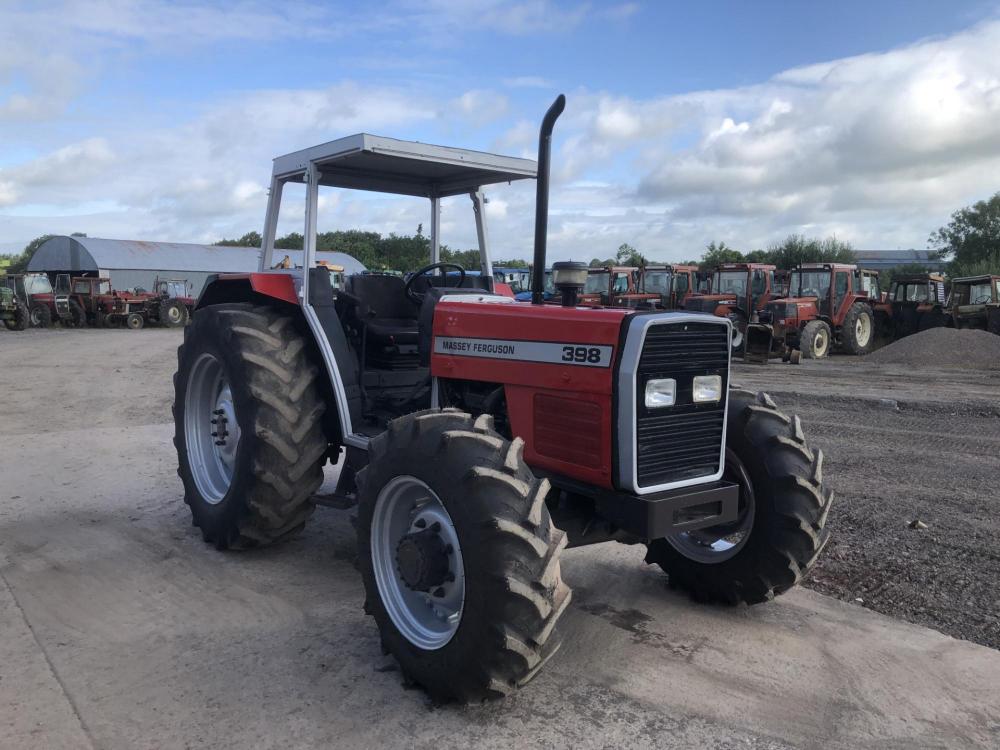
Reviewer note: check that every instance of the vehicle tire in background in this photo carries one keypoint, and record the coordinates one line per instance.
(738, 343)
(40, 315)
(135, 321)
(173, 314)
(781, 529)
(21, 319)
(858, 333)
(814, 342)
(484, 623)
(77, 315)
(247, 425)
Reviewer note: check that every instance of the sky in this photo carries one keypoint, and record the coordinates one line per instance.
(685, 123)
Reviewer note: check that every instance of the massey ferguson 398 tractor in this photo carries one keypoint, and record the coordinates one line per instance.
(479, 437)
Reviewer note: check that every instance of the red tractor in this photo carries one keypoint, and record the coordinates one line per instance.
(739, 292)
(610, 286)
(170, 304)
(829, 305)
(915, 303)
(35, 291)
(479, 437)
(669, 287)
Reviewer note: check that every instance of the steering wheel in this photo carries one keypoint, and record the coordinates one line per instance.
(982, 300)
(418, 297)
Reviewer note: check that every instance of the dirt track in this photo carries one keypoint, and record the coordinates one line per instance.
(122, 629)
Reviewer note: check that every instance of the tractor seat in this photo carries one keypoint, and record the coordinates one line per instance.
(388, 315)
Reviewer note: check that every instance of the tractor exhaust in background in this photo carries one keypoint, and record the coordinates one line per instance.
(542, 197)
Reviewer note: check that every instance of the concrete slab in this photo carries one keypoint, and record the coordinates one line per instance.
(157, 640)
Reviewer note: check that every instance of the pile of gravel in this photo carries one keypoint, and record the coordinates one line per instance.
(949, 347)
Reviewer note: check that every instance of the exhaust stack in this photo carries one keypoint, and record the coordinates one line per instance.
(542, 198)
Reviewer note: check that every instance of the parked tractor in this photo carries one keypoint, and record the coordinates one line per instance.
(68, 308)
(13, 311)
(739, 291)
(975, 303)
(829, 305)
(669, 287)
(35, 291)
(915, 303)
(171, 304)
(101, 305)
(609, 286)
(479, 437)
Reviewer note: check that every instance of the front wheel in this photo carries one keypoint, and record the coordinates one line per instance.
(247, 425)
(41, 316)
(135, 321)
(815, 340)
(781, 526)
(459, 556)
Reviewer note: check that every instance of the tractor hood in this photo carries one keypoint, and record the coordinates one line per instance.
(708, 302)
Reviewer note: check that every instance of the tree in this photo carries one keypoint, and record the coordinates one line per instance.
(19, 261)
(250, 239)
(598, 263)
(797, 248)
(885, 277)
(716, 254)
(629, 256)
(971, 240)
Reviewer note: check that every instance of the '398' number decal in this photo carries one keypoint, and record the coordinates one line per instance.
(589, 354)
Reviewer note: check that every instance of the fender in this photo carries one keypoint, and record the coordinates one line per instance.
(242, 287)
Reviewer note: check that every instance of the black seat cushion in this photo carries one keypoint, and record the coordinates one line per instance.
(392, 330)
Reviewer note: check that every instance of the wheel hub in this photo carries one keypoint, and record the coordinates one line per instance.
(422, 560)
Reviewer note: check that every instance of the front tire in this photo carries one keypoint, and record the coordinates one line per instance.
(250, 474)
(41, 316)
(135, 321)
(490, 510)
(781, 529)
(815, 340)
(21, 317)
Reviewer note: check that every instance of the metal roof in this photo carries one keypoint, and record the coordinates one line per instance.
(97, 254)
(388, 165)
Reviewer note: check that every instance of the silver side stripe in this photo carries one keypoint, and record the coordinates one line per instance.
(556, 352)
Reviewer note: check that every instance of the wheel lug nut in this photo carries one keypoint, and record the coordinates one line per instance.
(215, 421)
(215, 434)
(220, 442)
(439, 592)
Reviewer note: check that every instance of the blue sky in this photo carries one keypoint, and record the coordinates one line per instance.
(686, 123)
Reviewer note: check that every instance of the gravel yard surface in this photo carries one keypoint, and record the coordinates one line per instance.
(904, 446)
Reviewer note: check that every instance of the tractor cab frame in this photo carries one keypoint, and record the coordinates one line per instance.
(975, 302)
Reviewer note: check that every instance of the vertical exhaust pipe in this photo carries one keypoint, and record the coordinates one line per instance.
(542, 198)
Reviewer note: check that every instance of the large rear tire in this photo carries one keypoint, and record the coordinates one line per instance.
(815, 340)
(858, 332)
(247, 419)
(21, 318)
(173, 314)
(781, 529)
(493, 535)
(41, 316)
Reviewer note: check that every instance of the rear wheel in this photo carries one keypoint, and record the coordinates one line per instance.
(783, 508)
(247, 411)
(858, 332)
(173, 314)
(459, 556)
(41, 316)
(815, 340)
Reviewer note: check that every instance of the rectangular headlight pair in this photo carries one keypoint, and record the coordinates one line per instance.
(662, 392)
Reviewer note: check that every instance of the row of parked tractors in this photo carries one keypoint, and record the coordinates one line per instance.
(30, 300)
(806, 312)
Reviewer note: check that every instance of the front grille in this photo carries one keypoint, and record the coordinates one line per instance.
(684, 441)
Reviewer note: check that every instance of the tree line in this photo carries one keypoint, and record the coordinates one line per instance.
(969, 243)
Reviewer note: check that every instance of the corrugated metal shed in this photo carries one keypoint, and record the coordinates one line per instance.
(880, 259)
(135, 263)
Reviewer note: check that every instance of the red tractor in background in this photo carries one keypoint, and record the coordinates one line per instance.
(36, 293)
(670, 286)
(829, 305)
(915, 303)
(478, 437)
(739, 291)
(610, 286)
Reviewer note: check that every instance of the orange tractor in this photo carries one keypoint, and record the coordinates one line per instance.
(739, 291)
(829, 305)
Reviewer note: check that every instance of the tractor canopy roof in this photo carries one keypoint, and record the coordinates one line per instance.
(388, 165)
(826, 266)
(975, 279)
(745, 267)
(669, 267)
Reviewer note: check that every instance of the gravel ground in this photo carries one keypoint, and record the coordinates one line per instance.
(904, 445)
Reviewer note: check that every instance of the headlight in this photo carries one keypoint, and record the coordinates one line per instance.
(661, 392)
(705, 389)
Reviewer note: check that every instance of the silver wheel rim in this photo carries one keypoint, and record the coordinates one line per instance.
(36, 317)
(174, 314)
(717, 544)
(863, 330)
(405, 506)
(211, 432)
(821, 343)
(737, 338)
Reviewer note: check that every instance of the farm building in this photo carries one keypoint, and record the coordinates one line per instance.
(132, 263)
(880, 260)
